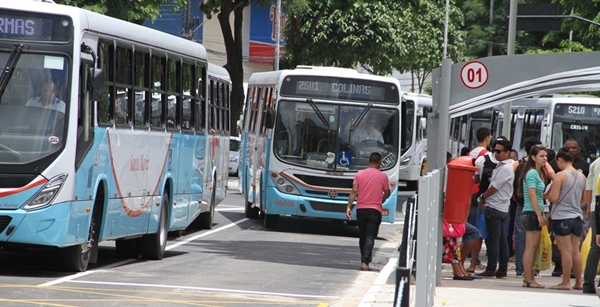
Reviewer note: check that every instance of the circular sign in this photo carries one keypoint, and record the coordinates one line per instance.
(474, 74)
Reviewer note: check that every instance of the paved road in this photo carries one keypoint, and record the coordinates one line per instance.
(237, 263)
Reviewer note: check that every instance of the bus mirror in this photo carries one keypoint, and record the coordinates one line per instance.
(423, 123)
(270, 120)
(96, 83)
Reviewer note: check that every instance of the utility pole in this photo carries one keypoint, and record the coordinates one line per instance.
(186, 25)
(278, 34)
(512, 30)
(490, 43)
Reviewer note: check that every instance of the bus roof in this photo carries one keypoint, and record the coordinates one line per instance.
(218, 72)
(101, 24)
(275, 77)
(547, 102)
(422, 100)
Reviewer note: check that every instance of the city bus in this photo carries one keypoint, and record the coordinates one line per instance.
(109, 131)
(463, 129)
(300, 144)
(413, 159)
(554, 119)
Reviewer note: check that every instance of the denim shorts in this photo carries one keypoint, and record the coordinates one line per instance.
(530, 221)
(566, 227)
(471, 233)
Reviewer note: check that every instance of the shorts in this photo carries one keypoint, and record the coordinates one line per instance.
(471, 233)
(530, 221)
(561, 228)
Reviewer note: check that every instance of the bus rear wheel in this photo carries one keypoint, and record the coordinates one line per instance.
(205, 220)
(152, 246)
(271, 221)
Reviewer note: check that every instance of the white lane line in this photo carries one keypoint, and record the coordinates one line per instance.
(206, 289)
(112, 265)
(230, 209)
(371, 296)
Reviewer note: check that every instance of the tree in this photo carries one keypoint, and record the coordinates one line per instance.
(133, 11)
(423, 36)
(346, 34)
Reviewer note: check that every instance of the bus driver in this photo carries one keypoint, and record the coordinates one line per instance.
(48, 98)
(369, 132)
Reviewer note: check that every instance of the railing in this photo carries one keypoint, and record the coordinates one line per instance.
(424, 219)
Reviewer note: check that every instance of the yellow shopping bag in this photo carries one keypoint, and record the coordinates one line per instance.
(585, 250)
(542, 259)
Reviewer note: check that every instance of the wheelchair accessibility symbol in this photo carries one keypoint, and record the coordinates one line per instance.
(344, 158)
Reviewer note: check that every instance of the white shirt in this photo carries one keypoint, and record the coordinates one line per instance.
(481, 160)
(590, 183)
(362, 134)
(502, 179)
(57, 105)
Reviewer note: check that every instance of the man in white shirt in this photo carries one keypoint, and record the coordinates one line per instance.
(48, 98)
(369, 132)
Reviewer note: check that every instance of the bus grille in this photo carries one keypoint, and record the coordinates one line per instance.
(323, 193)
(4, 221)
(317, 205)
(326, 181)
(15, 180)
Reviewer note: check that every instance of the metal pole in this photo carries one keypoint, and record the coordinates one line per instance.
(491, 44)
(445, 55)
(512, 30)
(277, 35)
(186, 26)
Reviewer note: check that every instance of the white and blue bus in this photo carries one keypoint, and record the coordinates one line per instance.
(108, 131)
(413, 159)
(300, 140)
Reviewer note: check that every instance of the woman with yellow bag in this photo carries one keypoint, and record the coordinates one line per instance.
(590, 251)
(533, 181)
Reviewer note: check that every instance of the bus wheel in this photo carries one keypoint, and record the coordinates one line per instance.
(77, 257)
(205, 220)
(251, 212)
(271, 221)
(152, 246)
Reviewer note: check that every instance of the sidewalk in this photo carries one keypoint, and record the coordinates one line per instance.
(488, 292)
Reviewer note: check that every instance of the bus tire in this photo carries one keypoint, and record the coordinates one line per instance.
(152, 246)
(205, 219)
(128, 248)
(249, 211)
(77, 257)
(271, 221)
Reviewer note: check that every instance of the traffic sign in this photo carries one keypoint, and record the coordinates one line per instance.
(474, 74)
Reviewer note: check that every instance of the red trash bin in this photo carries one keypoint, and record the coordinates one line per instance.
(458, 190)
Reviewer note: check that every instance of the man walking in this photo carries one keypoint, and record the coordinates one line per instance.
(496, 201)
(373, 188)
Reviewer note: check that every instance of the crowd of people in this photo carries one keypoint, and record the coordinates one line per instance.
(512, 199)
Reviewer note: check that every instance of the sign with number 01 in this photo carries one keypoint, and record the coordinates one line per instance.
(474, 74)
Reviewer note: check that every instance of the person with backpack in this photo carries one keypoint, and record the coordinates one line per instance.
(495, 202)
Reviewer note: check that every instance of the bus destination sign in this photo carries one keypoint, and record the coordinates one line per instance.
(340, 88)
(34, 27)
(577, 110)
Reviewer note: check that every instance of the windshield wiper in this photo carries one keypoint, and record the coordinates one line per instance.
(9, 68)
(319, 114)
(360, 117)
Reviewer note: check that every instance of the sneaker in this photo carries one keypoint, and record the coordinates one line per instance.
(556, 273)
(519, 274)
(486, 273)
(589, 289)
(501, 275)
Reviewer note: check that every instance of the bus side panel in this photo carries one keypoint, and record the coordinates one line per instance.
(185, 205)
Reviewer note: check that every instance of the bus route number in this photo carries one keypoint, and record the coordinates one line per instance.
(578, 110)
(579, 127)
(312, 86)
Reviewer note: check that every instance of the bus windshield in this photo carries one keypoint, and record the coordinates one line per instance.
(32, 108)
(586, 133)
(302, 138)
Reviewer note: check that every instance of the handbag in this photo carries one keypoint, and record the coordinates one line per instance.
(549, 223)
(452, 230)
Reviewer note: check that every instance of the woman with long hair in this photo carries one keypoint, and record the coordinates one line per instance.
(566, 196)
(532, 184)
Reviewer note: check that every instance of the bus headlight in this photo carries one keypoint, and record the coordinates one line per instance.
(284, 185)
(405, 160)
(44, 197)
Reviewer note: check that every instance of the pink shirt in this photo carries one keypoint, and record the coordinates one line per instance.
(371, 185)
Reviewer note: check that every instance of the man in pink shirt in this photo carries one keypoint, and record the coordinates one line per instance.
(373, 188)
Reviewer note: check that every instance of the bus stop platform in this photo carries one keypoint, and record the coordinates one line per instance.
(485, 292)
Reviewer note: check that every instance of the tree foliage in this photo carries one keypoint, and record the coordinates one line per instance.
(133, 11)
(422, 36)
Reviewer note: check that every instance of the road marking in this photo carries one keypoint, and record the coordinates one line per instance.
(371, 296)
(205, 289)
(127, 261)
(230, 209)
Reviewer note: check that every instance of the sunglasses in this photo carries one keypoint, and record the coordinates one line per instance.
(499, 151)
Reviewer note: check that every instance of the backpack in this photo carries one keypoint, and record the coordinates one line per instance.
(486, 174)
(518, 186)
